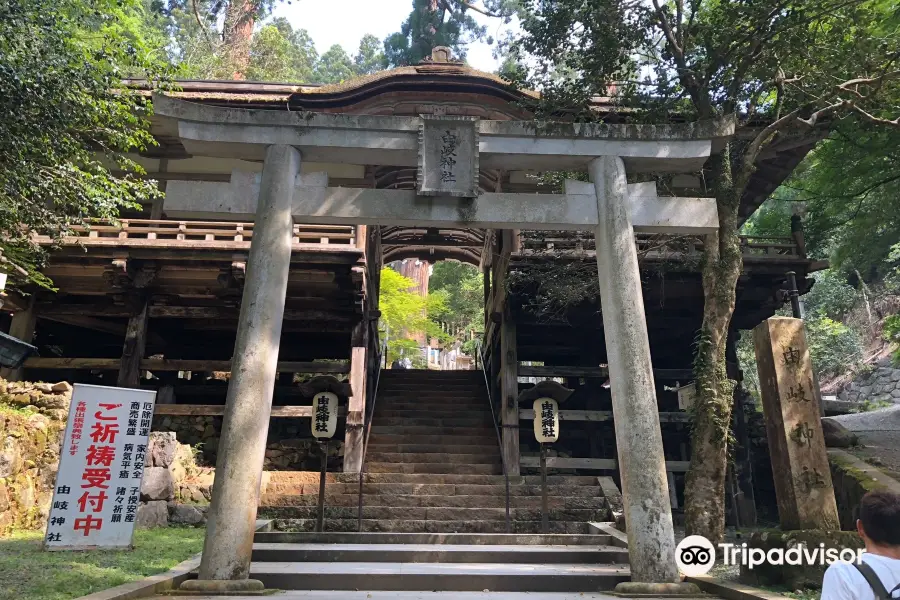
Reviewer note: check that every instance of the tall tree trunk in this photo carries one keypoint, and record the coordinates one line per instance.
(238, 33)
(722, 265)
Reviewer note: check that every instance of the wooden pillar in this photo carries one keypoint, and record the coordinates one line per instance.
(356, 412)
(743, 498)
(135, 344)
(509, 391)
(22, 327)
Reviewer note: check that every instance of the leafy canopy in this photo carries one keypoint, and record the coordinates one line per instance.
(448, 23)
(463, 288)
(405, 314)
(65, 132)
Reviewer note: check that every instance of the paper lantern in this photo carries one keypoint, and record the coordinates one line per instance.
(546, 420)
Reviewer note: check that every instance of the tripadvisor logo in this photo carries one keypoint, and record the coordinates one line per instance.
(695, 555)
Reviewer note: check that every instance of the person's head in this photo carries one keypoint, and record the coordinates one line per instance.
(879, 518)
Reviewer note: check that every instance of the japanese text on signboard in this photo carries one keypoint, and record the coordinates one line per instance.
(98, 485)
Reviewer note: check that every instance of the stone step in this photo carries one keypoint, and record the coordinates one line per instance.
(429, 513)
(437, 489)
(441, 468)
(432, 500)
(436, 553)
(469, 383)
(432, 430)
(479, 539)
(461, 577)
(429, 374)
(491, 458)
(468, 422)
(481, 439)
(424, 396)
(419, 526)
(425, 478)
(439, 410)
(390, 412)
(434, 448)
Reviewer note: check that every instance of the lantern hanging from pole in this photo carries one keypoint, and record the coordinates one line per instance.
(324, 415)
(546, 420)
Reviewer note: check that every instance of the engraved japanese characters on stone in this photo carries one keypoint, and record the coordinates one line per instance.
(448, 156)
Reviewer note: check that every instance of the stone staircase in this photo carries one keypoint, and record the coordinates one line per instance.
(405, 562)
(433, 466)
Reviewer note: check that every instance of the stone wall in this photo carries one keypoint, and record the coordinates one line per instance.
(32, 422)
(879, 382)
(852, 479)
(167, 491)
(290, 444)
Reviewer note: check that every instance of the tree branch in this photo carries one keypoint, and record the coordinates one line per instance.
(469, 5)
(202, 25)
(873, 119)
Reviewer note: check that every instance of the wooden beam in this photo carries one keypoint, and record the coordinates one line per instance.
(164, 364)
(603, 415)
(598, 372)
(607, 464)
(217, 410)
(134, 347)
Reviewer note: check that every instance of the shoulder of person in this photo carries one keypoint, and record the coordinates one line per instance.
(840, 580)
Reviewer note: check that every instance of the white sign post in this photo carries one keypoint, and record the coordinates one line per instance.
(98, 486)
(324, 424)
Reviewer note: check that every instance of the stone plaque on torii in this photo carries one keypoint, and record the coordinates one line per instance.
(447, 153)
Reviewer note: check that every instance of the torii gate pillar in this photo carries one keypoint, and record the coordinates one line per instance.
(648, 516)
(225, 565)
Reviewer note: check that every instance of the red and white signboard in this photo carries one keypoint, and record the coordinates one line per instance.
(98, 486)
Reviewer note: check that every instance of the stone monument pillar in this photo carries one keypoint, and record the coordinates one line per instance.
(225, 565)
(794, 426)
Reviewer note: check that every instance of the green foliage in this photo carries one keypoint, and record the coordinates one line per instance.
(447, 23)
(892, 334)
(334, 66)
(370, 56)
(201, 45)
(280, 53)
(405, 314)
(27, 572)
(833, 347)
(850, 185)
(462, 286)
(831, 296)
(65, 131)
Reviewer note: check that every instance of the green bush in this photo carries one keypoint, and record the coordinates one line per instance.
(892, 334)
(834, 347)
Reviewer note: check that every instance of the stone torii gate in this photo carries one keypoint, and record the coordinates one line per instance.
(448, 152)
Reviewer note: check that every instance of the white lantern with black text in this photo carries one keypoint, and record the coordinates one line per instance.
(546, 420)
(324, 417)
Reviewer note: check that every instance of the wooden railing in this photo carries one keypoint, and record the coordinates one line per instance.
(653, 246)
(197, 233)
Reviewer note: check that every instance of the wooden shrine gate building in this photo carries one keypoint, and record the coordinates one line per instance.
(282, 204)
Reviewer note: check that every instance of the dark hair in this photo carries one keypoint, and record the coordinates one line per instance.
(879, 512)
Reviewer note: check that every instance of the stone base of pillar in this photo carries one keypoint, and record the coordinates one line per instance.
(221, 587)
(645, 589)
